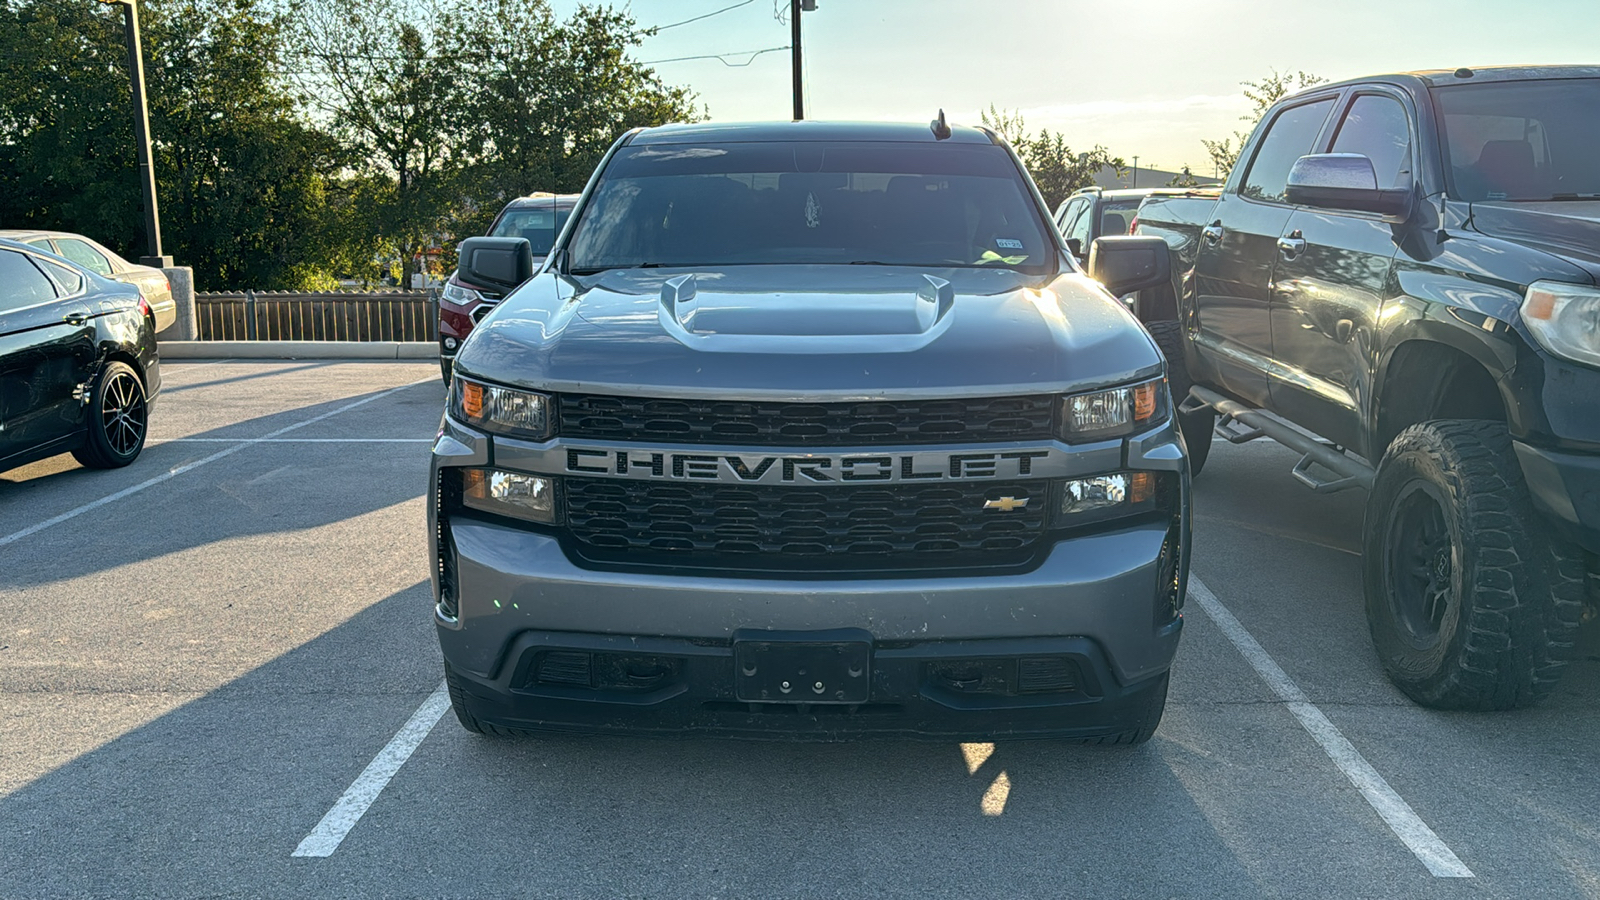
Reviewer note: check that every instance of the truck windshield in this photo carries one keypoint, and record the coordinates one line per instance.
(539, 225)
(763, 203)
(1523, 140)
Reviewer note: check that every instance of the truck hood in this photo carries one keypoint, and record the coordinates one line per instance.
(1570, 229)
(809, 333)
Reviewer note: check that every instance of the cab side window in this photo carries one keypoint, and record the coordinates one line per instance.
(21, 282)
(1081, 227)
(1376, 127)
(1292, 135)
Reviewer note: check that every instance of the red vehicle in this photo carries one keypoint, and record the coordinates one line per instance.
(538, 218)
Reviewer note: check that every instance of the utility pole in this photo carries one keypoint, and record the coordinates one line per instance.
(1135, 172)
(141, 135)
(794, 55)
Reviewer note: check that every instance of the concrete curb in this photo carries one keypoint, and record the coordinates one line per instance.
(298, 349)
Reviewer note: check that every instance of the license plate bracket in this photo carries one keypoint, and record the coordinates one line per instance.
(789, 670)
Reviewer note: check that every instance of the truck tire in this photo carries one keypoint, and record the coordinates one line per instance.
(468, 721)
(1150, 719)
(1474, 603)
(1197, 425)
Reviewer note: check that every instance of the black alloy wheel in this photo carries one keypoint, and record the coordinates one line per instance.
(118, 419)
(1420, 563)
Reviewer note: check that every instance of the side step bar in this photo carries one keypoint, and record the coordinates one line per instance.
(1238, 424)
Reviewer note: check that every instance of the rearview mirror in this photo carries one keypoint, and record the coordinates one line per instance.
(1075, 247)
(1126, 263)
(1345, 181)
(499, 264)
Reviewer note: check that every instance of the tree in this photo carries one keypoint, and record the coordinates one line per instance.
(1055, 167)
(386, 86)
(1262, 94)
(240, 177)
(547, 99)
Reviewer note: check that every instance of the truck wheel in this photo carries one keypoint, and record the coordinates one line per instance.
(1473, 602)
(458, 703)
(1149, 720)
(118, 419)
(1197, 425)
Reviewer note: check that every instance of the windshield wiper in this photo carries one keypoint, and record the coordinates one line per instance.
(1595, 196)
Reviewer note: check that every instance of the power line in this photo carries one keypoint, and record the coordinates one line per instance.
(719, 57)
(706, 16)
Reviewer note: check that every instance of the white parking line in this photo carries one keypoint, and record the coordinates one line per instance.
(359, 797)
(186, 467)
(1395, 812)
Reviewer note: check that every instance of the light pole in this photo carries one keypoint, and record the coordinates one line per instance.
(1135, 172)
(795, 8)
(141, 135)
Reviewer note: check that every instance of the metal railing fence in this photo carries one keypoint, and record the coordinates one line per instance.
(330, 316)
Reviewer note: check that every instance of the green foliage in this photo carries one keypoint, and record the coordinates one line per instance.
(299, 140)
(1184, 179)
(1262, 94)
(1055, 167)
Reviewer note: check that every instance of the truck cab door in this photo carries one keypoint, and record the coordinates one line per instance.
(1238, 249)
(1334, 272)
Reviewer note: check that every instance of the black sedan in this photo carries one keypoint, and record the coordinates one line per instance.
(78, 367)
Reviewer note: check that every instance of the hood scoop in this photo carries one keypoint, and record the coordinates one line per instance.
(806, 322)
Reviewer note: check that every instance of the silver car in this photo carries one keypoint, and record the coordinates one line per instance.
(152, 283)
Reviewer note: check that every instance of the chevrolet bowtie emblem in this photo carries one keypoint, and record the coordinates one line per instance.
(1005, 504)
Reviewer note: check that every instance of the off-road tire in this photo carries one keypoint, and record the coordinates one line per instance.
(467, 719)
(1196, 426)
(118, 419)
(1148, 722)
(1491, 621)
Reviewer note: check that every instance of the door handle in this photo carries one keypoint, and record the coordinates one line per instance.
(1291, 246)
(1212, 233)
(76, 317)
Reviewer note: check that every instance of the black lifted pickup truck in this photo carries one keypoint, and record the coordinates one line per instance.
(1404, 267)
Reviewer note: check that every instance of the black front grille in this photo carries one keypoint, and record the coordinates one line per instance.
(775, 424)
(804, 529)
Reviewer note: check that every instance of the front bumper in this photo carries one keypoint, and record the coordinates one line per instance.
(1565, 487)
(1094, 600)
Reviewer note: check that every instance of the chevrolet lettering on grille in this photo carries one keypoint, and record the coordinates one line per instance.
(809, 468)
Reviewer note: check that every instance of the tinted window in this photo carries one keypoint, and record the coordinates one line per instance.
(539, 226)
(1524, 140)
(84, 255)
(21, 283)
(1376, 127)
(812, 203)
(1292, 135)
(71, 282)
(1116, 216)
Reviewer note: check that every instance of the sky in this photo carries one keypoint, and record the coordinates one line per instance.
(1144, 78)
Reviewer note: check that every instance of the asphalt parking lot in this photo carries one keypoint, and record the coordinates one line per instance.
(211, 660)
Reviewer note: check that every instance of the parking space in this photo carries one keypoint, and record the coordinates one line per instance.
(205, 650)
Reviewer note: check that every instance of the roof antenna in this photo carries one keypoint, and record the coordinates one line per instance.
(940, 129)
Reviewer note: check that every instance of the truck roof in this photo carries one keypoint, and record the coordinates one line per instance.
(809, 130)
(1445, 77)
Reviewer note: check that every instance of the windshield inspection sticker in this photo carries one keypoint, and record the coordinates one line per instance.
(1008, 243)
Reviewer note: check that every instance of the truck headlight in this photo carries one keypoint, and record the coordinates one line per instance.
(528, 497)
(460, 295)
(1107, 496)
(501, 410)
(1564, 319)
(1113, 413)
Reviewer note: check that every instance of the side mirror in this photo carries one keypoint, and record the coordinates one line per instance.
(499, 264)
(1126, 263)
(1075, 247)
(1345, 181)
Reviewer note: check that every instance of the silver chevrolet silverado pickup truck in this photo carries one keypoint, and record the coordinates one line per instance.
(810, 430)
